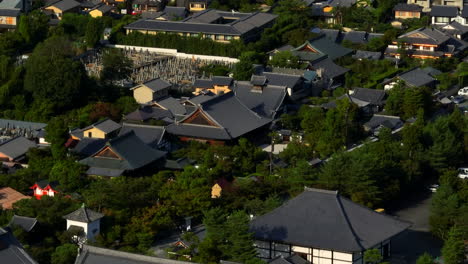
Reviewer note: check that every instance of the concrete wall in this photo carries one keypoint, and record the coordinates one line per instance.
(173, 52)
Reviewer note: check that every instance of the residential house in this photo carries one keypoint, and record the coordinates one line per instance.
(175, 107)
(377, 122)
(124, 154)
(170, 13)
(9, 196)
(220, 186)
(406, 11)
(323, 227)
(428, 4)
(223, 118)
(88, 5)
(9, 19)
(44, 187)
(86, 221)
(367, 55)
(416, 77)
(369, 101)
(61, 7)
(140, 6)
(11, 250)
(153, 136)
(426, 43)
(216, 85)
(455, 29)
(151, 90)
(105, 128)
(220, 26)
(101, 10)
(13, 151)
(193, 5)
(91, 255)
(443, 14)
(324, 9)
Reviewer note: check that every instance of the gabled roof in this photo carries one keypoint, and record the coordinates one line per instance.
(172, 104)
(150, 135)
(9, 196)
(329, 47)
(355, 36)
(444, 11)
(132, 154)
(155, 85)
(330, 69)
(231, 116)
(408, 7)
(265, 103)
(44, 183)
(84, 215)
(26, 223)
(293, 259)
(65, 5)
(326, 220)
(372, 96)
(11, 250)
(104, 8)
(106, 125)
(391, 122)
(425, 35)
(258, 80)
(279, 79)
(416, 77)
(455, 27)
(147, 112)
(16, 147)
(368, 55)
(89, 146)
(95, 255)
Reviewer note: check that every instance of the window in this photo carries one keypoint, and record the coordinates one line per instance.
(219, 37)
(426, 48)
(442, 19)
(208, 36)
(228, 37)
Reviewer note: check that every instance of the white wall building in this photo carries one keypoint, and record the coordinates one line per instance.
(87, 220)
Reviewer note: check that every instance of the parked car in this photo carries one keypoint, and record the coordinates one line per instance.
(463, 91)
(463, 173)
(458, 99)
(433, 187)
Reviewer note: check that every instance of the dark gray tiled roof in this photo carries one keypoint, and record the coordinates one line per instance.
(416, 77)
(16, 147)
(10, 12)
(368, 55)
(265, 103)
(147, 112)
(293, 259)
(150, 135)
(330, 48)
(134, 154)
(96, 255)
(221, 80)
(89, 146)
(196, 100)
(203, 83)
(12, 251)
(26, 223)
(66, 5)
(198, 131)
(392, 122)
(279, 79)
(106, 125)
(84, 215)
(372, 96)
(331, 34)
(433, 36)
(44, 183)
(323, 219)
(258, 80)
(455, 27)
(157, 84)
(408, 7)
(104, 172)
(7, 123)
(173, 105)
(444, 11)
(330, 69)
(355, 36)
(173, 12)
(178, 164)
(464, 12)
(105, 8)
(342, 3)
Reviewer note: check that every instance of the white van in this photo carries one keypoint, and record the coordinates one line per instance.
(463, 91)
(463, 173)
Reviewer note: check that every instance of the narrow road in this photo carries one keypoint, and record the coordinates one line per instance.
(407, 247)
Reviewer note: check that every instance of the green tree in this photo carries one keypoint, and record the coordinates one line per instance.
(93, 32)
(64, 254)
(244, 68)
(425, 258)
(33, 27)
(116, 66)
(372, 256)
(284, 59)
(62, 88)
(453, 251)
(57, 135)
(68, 173)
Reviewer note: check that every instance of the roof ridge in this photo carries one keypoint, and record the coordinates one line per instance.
(310, 189)
(140, 125)
(85, 213)
(348, 223)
